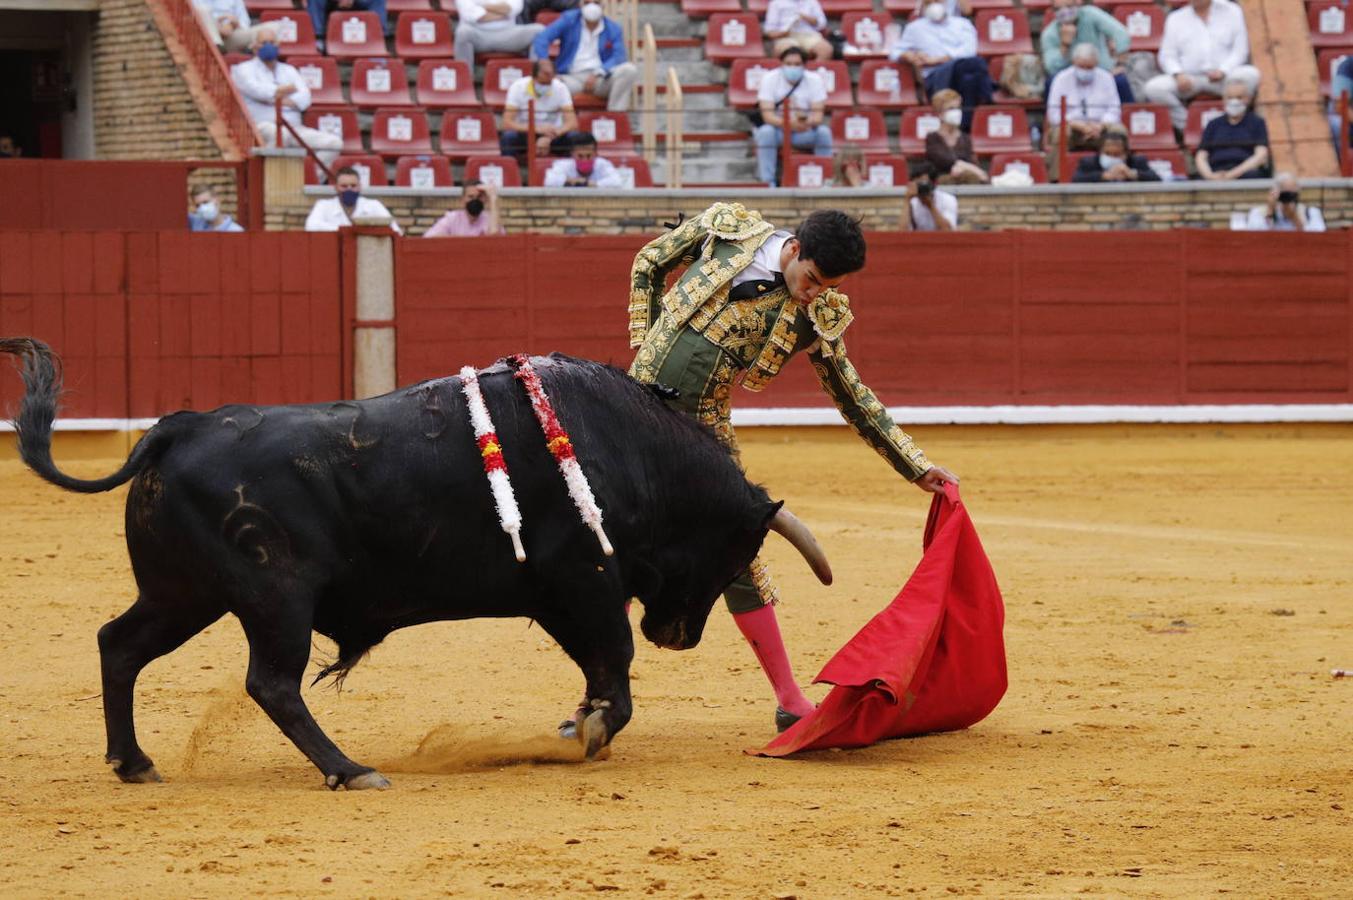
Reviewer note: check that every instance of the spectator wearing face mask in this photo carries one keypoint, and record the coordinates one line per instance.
(797, 23)
(1072, 24)
(1204, 45)
(347, 204)
(207, 214)
(477, 217)
(1234, 145)
(944, 48)
(1114, 162)
(262, 81)
(1284, 210)
(948, 148)
(1091, 102)
(227, 22)
(790, 92)
(583, 168)
(591, 56)
(555, 119)
(928, 209)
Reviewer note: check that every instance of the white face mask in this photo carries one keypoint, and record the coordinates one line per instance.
(1085, 76)
(209, 210)
(1108, 162)
(935, 12)
(1235, 107)
(952, 116)
(592, 12)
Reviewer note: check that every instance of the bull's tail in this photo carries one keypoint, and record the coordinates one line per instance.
(41, 371)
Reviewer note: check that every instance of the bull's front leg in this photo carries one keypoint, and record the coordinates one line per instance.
(598, 638)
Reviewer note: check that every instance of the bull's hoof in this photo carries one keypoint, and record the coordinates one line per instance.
(146, 775)
(367, 781)
(568, 730)
(592, 733)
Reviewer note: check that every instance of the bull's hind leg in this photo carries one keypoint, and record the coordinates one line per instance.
(127, 644)
(279, 648)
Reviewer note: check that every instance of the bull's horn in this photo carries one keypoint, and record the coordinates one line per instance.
(787, 525)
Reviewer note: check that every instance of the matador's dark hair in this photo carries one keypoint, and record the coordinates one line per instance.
(833, 240)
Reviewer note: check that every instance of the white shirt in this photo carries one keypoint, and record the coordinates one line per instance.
(259, 86)
(922, 220)
(1190, 45)
(1097, 101)
(1258, 219)
(472, 11)
(550, 103)
(328, 214)
(603, 173)
(765, 264)
(774, 87)
(588, 58)
(219, 9)
(783, 15)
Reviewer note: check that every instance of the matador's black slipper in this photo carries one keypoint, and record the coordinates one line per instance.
(784, 719)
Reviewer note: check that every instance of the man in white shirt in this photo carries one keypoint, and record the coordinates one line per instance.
(928, 209)
(584, 168)
(1092, 102)
(491, 26)
(1284, 211)
(555, 118)
(227, 22)
(262, 81)
(792, 92)
(347, 204)
(1204, 46)
(797, 23)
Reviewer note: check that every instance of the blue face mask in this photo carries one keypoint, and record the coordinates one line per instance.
(792, 73)
(268, 52)
(349, 198)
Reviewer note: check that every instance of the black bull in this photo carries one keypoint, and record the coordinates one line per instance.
(354, 519)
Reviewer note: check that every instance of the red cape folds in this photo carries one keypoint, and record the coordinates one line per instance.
(933, 660)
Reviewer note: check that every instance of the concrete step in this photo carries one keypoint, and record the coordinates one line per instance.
(703, 169)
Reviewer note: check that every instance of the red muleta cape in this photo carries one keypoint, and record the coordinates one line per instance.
(933, 660)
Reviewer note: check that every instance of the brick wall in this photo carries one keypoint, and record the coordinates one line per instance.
(1186, 204)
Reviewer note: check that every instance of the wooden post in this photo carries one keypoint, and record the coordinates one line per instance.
(649, 109)
(1063, 153)
(676, 110)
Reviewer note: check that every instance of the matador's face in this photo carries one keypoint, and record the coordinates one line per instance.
(802, 276)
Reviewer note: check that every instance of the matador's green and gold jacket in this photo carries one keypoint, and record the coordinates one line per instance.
(696, 339)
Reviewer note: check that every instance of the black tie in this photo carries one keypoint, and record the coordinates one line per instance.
(749, 289)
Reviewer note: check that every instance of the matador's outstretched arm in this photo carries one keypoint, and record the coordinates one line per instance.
(648, 277)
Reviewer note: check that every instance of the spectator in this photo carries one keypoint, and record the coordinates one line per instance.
(948, 148)
(850, 168)
(953, 7)
(491, 26)
(207, 214)
(928, 209)
(591, 56)
(1341, 86)
(477, 217)
(227, 21)
(263, 80)
(1114, 162)
(320, 9)
(944, 48)
(1284, 210)
(792, 90)
(1091, 103)
(1234, 145)
(1073, 24)
(555, 118)
(583, 167)
(338, 211)
(797, 23)
(9, 148)
(1204, 46)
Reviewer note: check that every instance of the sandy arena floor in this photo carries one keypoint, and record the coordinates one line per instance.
(1176, 599)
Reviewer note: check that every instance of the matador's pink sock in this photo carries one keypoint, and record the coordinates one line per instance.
(762, 631)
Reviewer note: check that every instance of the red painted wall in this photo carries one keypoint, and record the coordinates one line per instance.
(93, 194)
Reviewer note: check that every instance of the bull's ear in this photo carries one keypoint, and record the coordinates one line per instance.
(769, 510)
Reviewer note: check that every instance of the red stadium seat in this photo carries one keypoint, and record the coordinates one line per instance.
(808, 172)
(733, 36)
(342, 122)
(400, 132)
(1168, 164)
(423, 172)
(321, 75)
(866, 34)
(837, 8)
(546, 16)
(295, 36)
(1145, 24)
(353, 34)
(1330, 24)
(257, 6)
(884, 171)
(886, 85)
(1327, 63)
(903, 9)
(1001, 32)
(403, 6)
(499, 74)
(379, 82)
(370, 168)
(861, 128)
(500, 171)
(444, 83)
(615, 138)
(1006, 4)
(744, 79)
(1200, 113)
(541, 166)
(699, 9)
(999, 130)
(1148, 127)
(425, 35)
(468, 133)
(1031, 163)
(917, 122)
(836, 77)
(634, 172)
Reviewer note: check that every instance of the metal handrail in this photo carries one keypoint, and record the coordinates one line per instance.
(676, 113)
(282, 123)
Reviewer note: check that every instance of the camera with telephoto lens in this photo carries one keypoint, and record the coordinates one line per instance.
(924, 188)
(1287, 196)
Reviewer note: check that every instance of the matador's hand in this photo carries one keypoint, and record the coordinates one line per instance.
(934, 479)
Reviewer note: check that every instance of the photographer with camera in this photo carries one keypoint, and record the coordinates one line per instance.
(1284, 211)
(928, 209)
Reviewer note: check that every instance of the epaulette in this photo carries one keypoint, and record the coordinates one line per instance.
(830, 314)
(734, 222)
